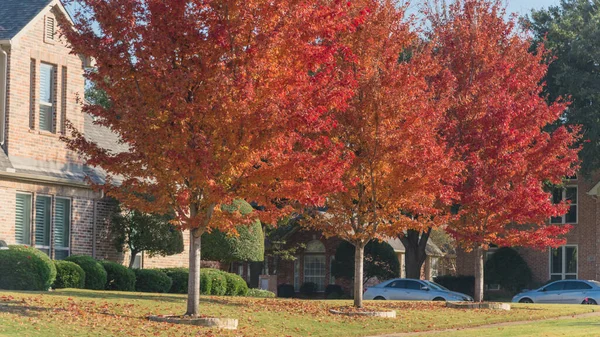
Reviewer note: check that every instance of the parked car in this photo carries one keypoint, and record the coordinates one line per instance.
(413, 290)
(565, 291)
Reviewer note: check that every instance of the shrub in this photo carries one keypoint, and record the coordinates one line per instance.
(260, 293)
(333, 291)
(179, 277)
(25, 268)
(308, 288)
(507, 268)
(152, 281)
(236, 286)
(205, 283)
(380, 261)
(68, 275)
(462, 284)
(118, 277)
(95, 275)
(285, 291)
(218, 282)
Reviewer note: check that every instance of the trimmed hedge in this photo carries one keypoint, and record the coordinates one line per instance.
(285, 291)
(68, 275)
(179, 277)
(236, 286)
(118, 277)
(333, 291)
(218, 282)
(308, 288)
(507, 268)
(260, 293)
(95, 275)
(152, 281)
(462, 284)
(25, 268)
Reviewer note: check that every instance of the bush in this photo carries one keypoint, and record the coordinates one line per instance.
(218, 282)
(205, 282)
(25, 268)
(333, 291)
(308, 288)
(507, 268)
(179, 277)
(285, 291)
(380, 261)
(260, 293)
(152, 281)
(236, 286)
(95, 275)
(118, 277)
(462, 284)
(68, 275)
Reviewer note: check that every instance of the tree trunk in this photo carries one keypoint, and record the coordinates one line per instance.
(193, 301)
(478, 293)
(415, 244)
(358, 275)
(132, 259)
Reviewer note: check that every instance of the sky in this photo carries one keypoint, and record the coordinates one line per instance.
(524, 6)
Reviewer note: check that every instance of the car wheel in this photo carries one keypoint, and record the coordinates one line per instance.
(589, 301)
(438, 299)
(379, 298)
(525, 300)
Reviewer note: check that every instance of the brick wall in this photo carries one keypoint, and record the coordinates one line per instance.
(24, 139)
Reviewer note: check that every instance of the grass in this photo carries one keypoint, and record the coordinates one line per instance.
(89, 313)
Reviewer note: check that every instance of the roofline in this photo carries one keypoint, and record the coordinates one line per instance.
(40, 15)
(595, 190)
(43, 179)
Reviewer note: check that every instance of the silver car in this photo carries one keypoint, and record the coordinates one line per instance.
(565, 291)
(412, 290)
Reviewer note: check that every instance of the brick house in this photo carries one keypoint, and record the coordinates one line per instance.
(580, 256)
(44, 199)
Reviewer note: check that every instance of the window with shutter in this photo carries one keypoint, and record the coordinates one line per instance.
(47, 76)
(62, 228)
(42, 223)
(23, 219)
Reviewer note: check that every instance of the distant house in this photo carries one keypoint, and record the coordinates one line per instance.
(579, 258)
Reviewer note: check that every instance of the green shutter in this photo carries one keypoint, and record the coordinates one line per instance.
(42, 221)
(23, 219)
(62, 215)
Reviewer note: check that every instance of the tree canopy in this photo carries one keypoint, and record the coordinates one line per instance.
(380, 261)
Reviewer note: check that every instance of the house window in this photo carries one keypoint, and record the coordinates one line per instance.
(314, 264)
(563, 263)
(42, 223)
(434, 263)
(23, 219)
(569, 194)
(47, 79)
(62, 228)
(137, 261)
(297, 274)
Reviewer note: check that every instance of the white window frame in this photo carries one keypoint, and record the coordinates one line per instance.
(297, 274)
(52, 91)
(31, 210)
(54, 248)
(563, 274)
(576, 204)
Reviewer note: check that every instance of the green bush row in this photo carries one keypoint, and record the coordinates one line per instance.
(212, 282)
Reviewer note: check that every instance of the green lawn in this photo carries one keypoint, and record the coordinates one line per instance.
(89, 313)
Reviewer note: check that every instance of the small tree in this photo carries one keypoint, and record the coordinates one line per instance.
(141, 232)
(380, 261)
(507, 268)
(247, 244)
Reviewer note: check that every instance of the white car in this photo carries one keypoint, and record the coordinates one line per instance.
(413, 290)
(565, 291)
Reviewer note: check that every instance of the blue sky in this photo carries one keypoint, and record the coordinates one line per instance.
(525, 6)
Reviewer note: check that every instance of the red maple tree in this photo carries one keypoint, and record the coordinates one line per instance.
(216, 100)
(496, 127)
(391, 128)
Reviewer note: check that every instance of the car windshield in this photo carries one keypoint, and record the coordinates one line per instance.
(435, 286)
(596, 283)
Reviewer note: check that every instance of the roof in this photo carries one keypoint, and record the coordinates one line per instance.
(104, 138)
(431, 249)
(4, 161)
(15, 15)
